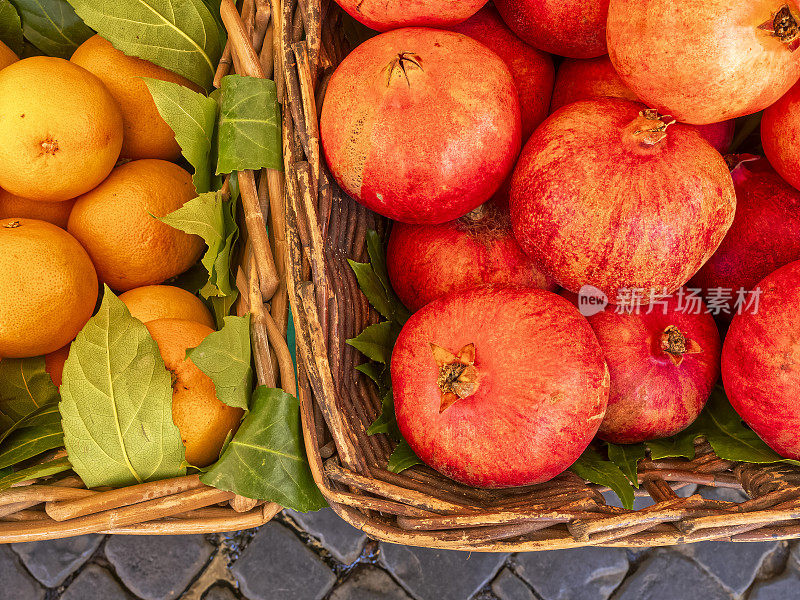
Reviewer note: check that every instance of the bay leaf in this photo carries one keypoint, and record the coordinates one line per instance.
(117, 403)
(37, 433)
(52, 26)
(52, 467)
(225, 357)
(592, 467)
(627, 457)
(192, 117)
(375, 342)
(180, 35)
(25, 387)
(10, 26)
(266, 459)
(249, 134)
(403, 458)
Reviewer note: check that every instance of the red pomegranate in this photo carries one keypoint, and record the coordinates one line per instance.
(705, 61)
(499, 386)
(574, 28)
(607, 193)
(664, 362)
(765, 235)
(421, 125)
(596, 77)
(780, 135)
(761, 362)
(532, 69)
(383, 15)
(427, 262)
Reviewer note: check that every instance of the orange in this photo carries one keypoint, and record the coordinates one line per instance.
(7, 56)
(49, 288)
(147, 135)
(153, 302)
(116, 224)
(56, 213)
(60, 129)
(54, 363)
(203, 421)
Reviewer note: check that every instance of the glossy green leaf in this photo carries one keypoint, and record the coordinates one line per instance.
(372, 371)
(377, 258)
(729, 437)
(192, 117)
(213, 219)
(25, 387)
(10, 26)
(266, 459)
(117, 403)
(180, 35)
(594, 468)
(403, 458)
(249, 135)
(225, 357)
(387, 420)
(52, 26)
(372, 287)
(52, 467)
(375, 342)
(37, 433)
(677, 446)
(627, 458)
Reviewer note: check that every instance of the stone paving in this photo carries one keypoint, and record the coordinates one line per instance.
(317, 556)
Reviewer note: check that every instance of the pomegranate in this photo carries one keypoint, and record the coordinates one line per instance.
(705, 61)
(765, 234)
(499, 386)
(761, 362)
(532, 69)
(664, 362)
(584, 79)
(574, 28)
(425, 262)
(383, 15)
(608, 193)
(421, 125)
(780, 136)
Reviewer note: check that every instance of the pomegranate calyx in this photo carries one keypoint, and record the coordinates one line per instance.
(402, 64)
(12, 225)
(675, 344)
(458, 377)
(784, 25)
(650, 128)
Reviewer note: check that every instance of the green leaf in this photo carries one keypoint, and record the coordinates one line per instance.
(10, 26)
(375, 342)
(52, 26)
(592, 467)
(192, 118)
(372, 287)
(53, 467)
(728, 436)
(222, 306)
(225, 357)
(627, 458)
(372, 371)
(180, 35)
(403, 458)
(214, 220)
(377, 257)
(117, 403)
(266, 459)
(37, 433)
(25, 387)
(249, 135)
(387, 421)
(677, 446)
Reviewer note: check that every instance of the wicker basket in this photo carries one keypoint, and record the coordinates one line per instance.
(61, 507)
(420, 507)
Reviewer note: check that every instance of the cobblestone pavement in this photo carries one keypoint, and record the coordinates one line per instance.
(317, 556)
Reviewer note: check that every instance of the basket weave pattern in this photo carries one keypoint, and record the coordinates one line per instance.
(61, 506)
(420, 507)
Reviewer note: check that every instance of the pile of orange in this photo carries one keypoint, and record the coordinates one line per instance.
(85, 170)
